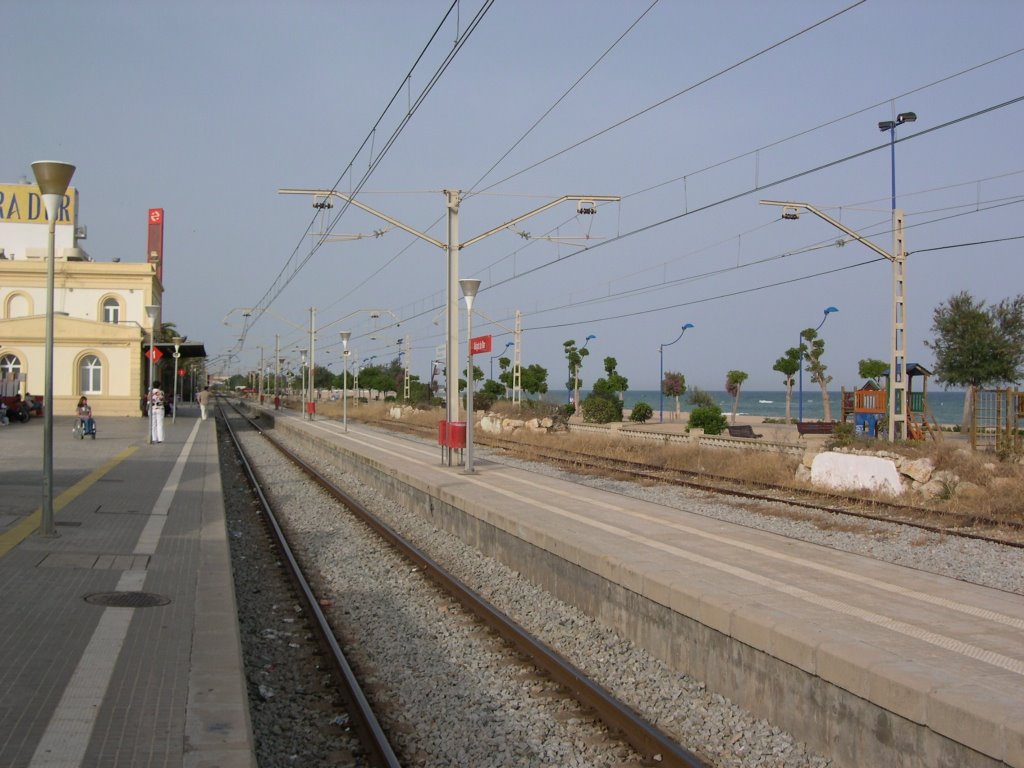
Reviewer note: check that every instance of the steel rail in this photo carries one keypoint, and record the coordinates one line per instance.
(367, 726)
(618, 716)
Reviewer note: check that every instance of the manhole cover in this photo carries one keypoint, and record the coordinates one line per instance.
(127, 599)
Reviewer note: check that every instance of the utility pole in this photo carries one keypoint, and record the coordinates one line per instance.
(898, 404)
(585, 204)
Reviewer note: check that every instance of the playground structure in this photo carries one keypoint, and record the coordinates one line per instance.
(870, 404)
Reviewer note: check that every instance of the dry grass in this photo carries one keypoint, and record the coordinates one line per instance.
(987, 487)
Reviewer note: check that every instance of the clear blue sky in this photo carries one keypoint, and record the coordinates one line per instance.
(206, 109)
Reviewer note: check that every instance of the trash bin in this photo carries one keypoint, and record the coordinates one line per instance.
(442, 433)
(311, 407)
(457, 434)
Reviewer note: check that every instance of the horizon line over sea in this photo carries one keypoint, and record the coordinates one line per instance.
(946, 406)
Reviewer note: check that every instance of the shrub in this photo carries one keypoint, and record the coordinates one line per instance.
(701, 399)
(482, 401)
(601, 410)
(569, 410)
(641, 413)
(709, 418)
(843, 436)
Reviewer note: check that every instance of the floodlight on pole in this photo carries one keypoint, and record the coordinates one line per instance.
(345, 336)
(661, 375)
(52, 177)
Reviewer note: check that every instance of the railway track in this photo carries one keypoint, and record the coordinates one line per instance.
(371, 735)
(619, 718)
(976, 527)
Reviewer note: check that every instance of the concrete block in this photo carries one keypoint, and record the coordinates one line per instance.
(849, 471)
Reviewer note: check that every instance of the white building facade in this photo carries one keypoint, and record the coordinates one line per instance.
(101, 326)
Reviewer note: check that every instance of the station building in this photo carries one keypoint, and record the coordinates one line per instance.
(102, 330)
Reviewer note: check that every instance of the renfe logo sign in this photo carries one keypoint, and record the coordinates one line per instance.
(479, 344)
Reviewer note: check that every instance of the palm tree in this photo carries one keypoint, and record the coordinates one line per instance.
(733, 382)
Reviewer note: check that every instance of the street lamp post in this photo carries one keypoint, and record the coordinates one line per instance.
(174, 395)
(302, 376)
(151, 312)
(507, 345)
(470, 287)
(576, 378)
(890, 126)
(800, 348)
(661, 375)
(53, 178)
(345, 336)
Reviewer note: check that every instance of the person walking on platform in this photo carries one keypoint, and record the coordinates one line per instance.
(156, 414)
(204, 402)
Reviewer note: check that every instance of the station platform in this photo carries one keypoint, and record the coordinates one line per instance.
(868, 662)
(118, 637)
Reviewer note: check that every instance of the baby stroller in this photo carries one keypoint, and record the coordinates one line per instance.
(86, 426)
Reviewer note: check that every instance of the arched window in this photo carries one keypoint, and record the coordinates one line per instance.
(111, 311)
(10, 366)
(90, 374)
(18, 305)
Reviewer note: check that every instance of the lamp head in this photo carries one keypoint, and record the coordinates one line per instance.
(886, 125)
(345, 336)
(830, 310)
(53, 176)
(905, 117)
(591, 336)
(469, 286)
(688, 325)
(152, 310)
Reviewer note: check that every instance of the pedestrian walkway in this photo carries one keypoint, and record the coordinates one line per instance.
(119, 634)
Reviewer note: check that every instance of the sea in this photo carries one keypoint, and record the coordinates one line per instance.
(947, 407)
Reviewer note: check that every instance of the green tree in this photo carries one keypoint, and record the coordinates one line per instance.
(977, 346)
(673, 385)
(493, 388)
(534, 379)
(377, 378)
(733, 383)
(871, 369)
(699, 398)
(574, 357)
(616, 381)
(813, 354)
(608, 389)
(788, 365)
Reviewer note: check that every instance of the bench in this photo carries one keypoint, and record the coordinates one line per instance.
(744, 430)
(815, 427)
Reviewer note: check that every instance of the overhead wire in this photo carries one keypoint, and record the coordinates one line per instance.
(277, 286)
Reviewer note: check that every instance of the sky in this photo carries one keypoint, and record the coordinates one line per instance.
(690, 112)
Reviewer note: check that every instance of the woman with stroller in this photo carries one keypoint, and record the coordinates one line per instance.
(86, 423)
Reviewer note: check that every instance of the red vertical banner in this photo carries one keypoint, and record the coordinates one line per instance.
(155, 249)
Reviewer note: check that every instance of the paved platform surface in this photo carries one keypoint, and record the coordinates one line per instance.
(83, 684)
(945, 656)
